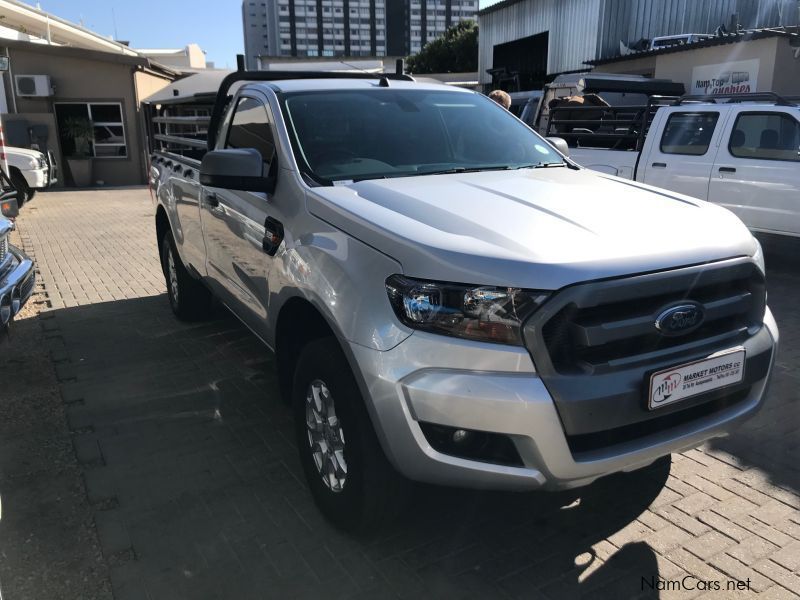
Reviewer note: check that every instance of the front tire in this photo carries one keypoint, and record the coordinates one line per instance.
(190, 300)
(350, 478)
(24, 191)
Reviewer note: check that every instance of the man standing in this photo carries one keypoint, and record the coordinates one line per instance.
(502, 98)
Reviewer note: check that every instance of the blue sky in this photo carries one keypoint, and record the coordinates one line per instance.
(216, 25)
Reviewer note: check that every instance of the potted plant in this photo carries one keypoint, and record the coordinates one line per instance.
(79, 130)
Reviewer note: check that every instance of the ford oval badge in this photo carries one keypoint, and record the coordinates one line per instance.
(678, 320)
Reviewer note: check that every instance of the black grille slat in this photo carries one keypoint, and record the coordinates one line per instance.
(589, 334)
(27, 286)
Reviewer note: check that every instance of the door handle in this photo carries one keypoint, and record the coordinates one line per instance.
(273, 236)
(212, 200)
(727, 170)
(660, 165)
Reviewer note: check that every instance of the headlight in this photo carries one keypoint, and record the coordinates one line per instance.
(42, 162)
(483, 313)
(758, 257)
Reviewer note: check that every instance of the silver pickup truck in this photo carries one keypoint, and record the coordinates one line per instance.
(451, 300)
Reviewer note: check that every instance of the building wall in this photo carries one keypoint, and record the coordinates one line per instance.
(779, 70)
(191, 57)
(582, 30)
(786, 78)
(84, 80)
(678, 65)
(572, 25)
(260, 24)
(636, 66)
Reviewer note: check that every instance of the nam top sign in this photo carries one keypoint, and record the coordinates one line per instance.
(725, 78)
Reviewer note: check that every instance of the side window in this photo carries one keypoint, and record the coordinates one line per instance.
(250, 128)
(766, 135)
(688, 133)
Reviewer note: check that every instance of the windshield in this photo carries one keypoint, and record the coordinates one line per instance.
(366, 134)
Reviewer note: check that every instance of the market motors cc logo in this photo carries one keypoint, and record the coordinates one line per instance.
(681, 319)
(666, 388)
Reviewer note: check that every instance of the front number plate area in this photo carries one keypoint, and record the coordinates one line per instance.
(684, 381)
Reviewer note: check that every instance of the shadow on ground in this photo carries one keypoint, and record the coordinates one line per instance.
(771, 441)
(190, 463)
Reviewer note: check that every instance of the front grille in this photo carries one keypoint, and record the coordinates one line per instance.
(611, 325)
(27, 286)
(3, 248)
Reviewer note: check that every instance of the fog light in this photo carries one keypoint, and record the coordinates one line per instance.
(460, 436)
(472, 444)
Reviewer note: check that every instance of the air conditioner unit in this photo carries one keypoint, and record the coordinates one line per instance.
(33, 85)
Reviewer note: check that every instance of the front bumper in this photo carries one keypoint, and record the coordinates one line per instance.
(37, 178)
(486, 387)
(17, 279)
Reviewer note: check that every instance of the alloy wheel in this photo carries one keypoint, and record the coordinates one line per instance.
(172, 271)
(325, 436)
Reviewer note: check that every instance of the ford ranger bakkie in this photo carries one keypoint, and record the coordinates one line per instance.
(450, 299)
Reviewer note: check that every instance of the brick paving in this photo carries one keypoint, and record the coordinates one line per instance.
(189, 461)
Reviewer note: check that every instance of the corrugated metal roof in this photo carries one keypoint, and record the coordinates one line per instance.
(730, 38)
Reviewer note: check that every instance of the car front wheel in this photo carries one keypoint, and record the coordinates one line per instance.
(350, 478)
(24, 192)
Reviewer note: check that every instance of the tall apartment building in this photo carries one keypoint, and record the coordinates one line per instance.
(428, 19)
(313, 28)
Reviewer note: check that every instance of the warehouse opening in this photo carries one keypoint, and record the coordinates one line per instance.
(521, 64)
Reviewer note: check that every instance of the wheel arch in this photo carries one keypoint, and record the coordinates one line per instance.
(162, 226)
(299, 322)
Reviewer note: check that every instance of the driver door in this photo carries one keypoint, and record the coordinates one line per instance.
(233, 221)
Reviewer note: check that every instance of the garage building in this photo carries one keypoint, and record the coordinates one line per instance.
(537, 39)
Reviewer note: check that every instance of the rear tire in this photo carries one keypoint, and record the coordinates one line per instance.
(350, 478)
(24, 192)
(190, 300)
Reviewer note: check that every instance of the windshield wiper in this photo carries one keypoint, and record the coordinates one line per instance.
(542, 165)
(460, 170)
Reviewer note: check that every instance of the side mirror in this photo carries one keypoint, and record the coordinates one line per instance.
(236, 169)
(559, 144)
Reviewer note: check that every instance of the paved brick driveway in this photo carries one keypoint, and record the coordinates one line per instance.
(189, 461)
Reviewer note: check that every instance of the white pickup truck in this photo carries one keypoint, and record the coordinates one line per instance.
(743, 155)
(29, 171)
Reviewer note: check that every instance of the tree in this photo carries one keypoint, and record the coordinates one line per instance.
(454, 52)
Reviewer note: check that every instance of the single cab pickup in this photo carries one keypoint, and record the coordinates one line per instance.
(744, 156)
(450, 299)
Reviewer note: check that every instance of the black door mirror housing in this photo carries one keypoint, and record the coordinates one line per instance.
(237, 169)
